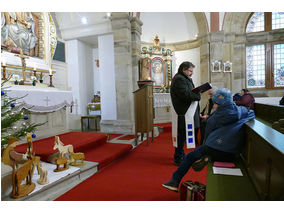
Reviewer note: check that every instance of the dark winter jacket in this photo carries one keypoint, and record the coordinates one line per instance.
(182, 96)
(247, 100)
(224, 130)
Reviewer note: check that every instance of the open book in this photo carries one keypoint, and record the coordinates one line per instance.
(202, 88)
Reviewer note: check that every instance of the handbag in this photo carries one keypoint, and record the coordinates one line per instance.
(192, 191)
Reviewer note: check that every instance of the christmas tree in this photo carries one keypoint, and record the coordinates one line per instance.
(14, 119)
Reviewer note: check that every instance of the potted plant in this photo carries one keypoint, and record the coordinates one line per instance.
(40, 77)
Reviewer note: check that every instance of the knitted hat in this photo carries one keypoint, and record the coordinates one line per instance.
(222, 96)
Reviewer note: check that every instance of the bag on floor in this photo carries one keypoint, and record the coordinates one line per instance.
(192, 191)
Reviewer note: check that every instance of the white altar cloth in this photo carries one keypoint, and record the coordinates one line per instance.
(162, 100)
(41, 99)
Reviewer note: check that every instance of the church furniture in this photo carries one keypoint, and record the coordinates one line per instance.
(261, 162)
(229, 188)
(96, 118)
(143, 110)
(279, 125)
(268, 112)
(264, 158)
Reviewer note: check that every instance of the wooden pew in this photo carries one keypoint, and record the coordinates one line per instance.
(264, 159)
(261, 163)
(269, 113)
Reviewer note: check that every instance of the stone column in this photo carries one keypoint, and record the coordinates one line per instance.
(121, 28)
(136, 31)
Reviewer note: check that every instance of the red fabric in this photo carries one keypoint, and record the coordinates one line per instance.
(138, 176)
(167, 127)
(81, 141)
(112, 136)
(127, 137)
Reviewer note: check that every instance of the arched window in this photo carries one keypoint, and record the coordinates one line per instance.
(265, 60)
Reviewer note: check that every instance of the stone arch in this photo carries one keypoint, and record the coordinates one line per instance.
(235, 22)
(201, 23)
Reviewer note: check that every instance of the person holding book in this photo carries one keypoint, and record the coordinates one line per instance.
(181, 97)
(224, 137)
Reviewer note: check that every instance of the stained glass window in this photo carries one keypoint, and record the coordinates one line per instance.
(278, 65)
(277, 20)
(255, 66)
(256, 23)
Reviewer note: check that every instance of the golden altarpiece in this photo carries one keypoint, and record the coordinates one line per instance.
(28, 44)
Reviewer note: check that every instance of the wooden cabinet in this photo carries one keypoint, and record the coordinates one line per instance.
(143, 109)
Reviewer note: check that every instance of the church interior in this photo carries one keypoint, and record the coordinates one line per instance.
(94, 88)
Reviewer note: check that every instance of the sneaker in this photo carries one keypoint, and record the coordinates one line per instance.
(171, 185)
(200, 164)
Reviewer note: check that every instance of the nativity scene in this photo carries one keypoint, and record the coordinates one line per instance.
(92, 97)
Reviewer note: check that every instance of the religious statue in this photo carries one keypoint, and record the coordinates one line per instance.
(23, 60)
(18, 30)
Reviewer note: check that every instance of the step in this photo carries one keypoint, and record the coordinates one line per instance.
(60, 182)
(81, 141)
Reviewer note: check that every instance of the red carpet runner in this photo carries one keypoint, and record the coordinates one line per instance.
(93, 145)
(135, 177)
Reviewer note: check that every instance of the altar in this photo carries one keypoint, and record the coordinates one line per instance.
(162, 104)
(44, 104)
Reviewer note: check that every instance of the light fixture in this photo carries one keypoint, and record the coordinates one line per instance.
(84, 20)
(108, 14)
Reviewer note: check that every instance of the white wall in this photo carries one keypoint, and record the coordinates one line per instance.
(97, 84)
(192, 56)
(80, 74)
(107, 77)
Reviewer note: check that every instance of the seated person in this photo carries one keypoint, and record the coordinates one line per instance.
(247, 99)
(223, 136)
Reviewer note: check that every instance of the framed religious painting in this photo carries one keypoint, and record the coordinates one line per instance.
(158, 72)
(216, 66)
(227, 66)
(144, 69)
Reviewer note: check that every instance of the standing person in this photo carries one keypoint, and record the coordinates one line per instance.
(224, 137)
(182, 96)
(247, 99)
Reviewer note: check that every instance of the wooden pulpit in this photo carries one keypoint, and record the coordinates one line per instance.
(143, 109)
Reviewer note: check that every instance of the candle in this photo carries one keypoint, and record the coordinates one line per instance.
(34, 65)
(4, 61)
(50, 71)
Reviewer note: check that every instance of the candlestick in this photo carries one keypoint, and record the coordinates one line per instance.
(50, 81)
(4, 72)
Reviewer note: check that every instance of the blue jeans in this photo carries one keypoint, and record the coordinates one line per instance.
(197, 154)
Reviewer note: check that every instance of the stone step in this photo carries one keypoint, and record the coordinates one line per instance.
(60, 182)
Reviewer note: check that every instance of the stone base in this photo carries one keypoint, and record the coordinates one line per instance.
(117, 126)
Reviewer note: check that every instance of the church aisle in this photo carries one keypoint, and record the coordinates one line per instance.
(135, 177)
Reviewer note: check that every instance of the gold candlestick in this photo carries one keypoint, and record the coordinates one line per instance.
(4, 73)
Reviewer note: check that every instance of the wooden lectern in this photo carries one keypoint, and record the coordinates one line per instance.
(143, 109)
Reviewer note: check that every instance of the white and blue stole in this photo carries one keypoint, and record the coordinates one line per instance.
(189, 125)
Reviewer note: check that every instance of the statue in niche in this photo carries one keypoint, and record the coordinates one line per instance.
(18, 30)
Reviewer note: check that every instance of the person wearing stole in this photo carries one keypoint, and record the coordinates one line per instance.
(182, 97)
(224, 137)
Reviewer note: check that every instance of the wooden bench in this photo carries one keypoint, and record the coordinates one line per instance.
(96, 118)
(261, 163)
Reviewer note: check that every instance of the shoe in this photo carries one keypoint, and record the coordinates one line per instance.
(178, 162)
(171, 185)
(200, 164)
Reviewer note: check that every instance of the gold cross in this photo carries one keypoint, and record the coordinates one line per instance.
(23, 58)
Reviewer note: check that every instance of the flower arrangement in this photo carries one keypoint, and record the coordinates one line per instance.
(40, 77)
